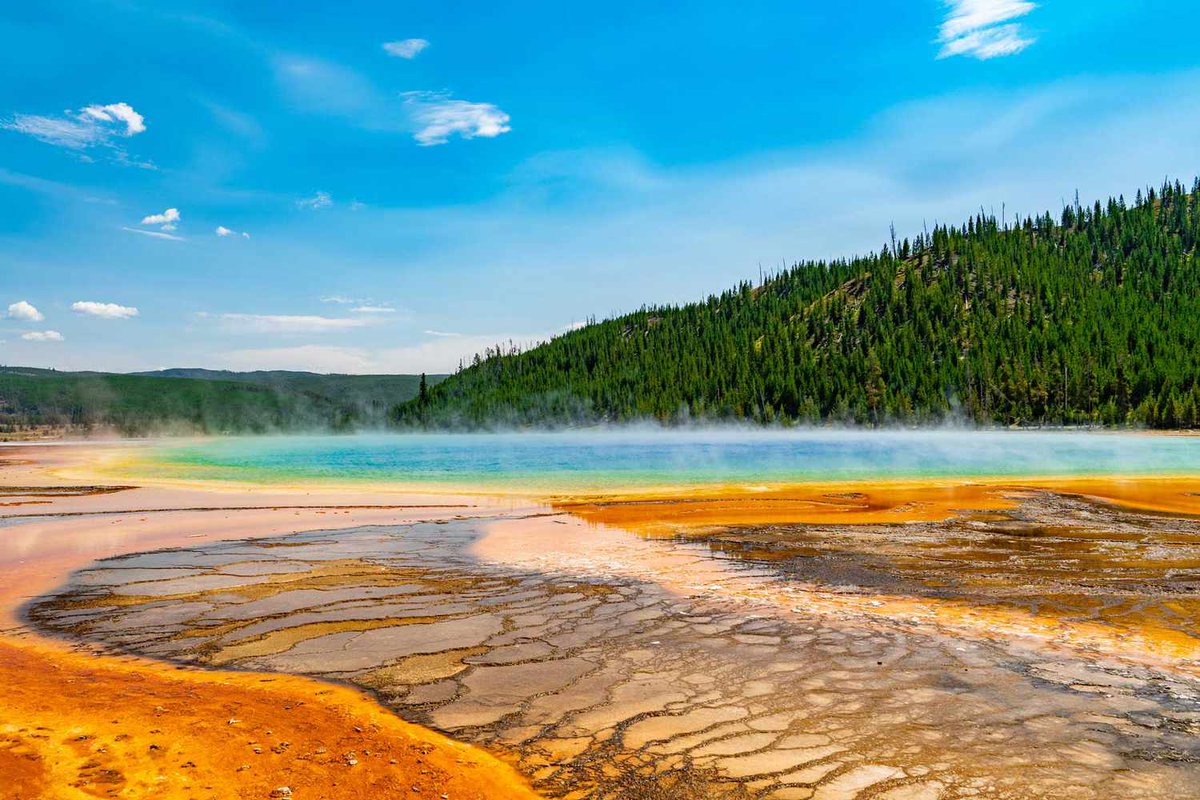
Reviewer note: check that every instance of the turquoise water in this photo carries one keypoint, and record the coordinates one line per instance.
(581, 461)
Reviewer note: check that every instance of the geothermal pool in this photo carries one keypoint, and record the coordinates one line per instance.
(623, 459)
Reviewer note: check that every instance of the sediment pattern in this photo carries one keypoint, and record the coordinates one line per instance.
(610, 666)
(1056, 557)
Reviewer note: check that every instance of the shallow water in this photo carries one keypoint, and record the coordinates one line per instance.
(629, 458)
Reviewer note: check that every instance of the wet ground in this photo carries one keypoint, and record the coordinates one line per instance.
(783, 661)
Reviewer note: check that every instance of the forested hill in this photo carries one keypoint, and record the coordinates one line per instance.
(1092, 317)
(39, 402)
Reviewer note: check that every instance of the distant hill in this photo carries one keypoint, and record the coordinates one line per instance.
(1091, 317)
(191, 401)
(371, 395)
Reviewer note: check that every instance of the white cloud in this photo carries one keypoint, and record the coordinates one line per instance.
(223, 231)
(116, 113)
(286, 323)
(104, 310)
(167, 220)
(24, 311)
(155, 234)
(373, 310)
(441, 333)
(438, 117)
(984, 28)
(42, 336)
(91, 126)
(408, 48)
(317, 201)
(340, 300)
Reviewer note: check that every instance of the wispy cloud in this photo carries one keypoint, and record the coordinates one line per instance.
(104, 310)
(324, 86)
(373, 310)
(317, 201)
(286, 323)
(42, 336)
(306, 357)
(435, 355)
(432, 118)
(155, 234)
(222, 231)
(167, 220)
(438, 117)
(54, 189)
(441, 333)
(91, 126)
(24, 311)
(407, 48)
(984, 29)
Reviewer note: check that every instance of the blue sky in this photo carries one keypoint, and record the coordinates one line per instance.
(388, 187)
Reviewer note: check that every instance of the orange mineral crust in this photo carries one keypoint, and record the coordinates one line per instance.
(77, 725)
(867, 504)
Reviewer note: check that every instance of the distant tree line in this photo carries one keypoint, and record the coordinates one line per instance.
(198, 402)
(1090, 318)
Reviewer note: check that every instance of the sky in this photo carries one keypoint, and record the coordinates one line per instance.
(373, 187)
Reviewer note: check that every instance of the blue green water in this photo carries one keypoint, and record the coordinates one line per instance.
(581, 461)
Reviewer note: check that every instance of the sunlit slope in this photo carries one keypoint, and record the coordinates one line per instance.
(1091, 317)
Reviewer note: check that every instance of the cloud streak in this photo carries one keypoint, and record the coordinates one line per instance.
(91, 308)
(154, 234)
(43, 336)
(984, 29)
(286, 323)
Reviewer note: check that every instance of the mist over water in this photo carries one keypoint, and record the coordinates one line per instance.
(612, 458)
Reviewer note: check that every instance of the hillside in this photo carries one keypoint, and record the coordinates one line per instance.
(196, 401)
(1089, 318)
